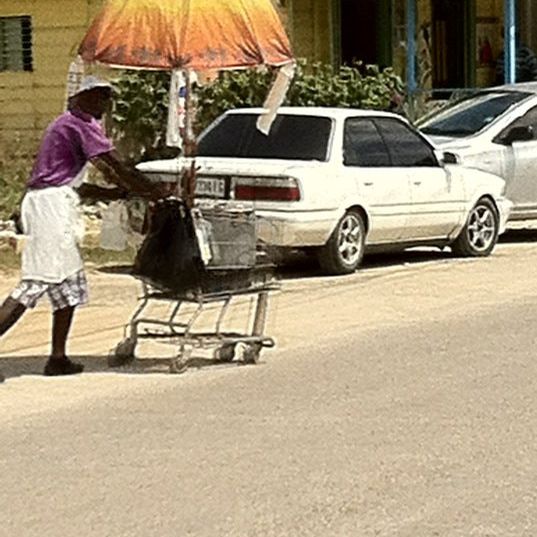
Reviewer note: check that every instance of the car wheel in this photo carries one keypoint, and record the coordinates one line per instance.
(480, 233)
(345, 248)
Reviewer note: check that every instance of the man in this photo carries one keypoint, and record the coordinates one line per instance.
(51, 261)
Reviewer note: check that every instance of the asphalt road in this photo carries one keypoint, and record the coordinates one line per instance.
(400, 401)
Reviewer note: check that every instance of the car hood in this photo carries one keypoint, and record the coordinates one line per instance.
(442, 140)
(228, 166)
(449, 143)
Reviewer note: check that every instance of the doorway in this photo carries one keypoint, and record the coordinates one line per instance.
(365, 31)
(450, 32)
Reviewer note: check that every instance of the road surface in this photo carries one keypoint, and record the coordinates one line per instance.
(400, 401)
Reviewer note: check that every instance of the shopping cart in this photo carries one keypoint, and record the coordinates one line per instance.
(229, 266)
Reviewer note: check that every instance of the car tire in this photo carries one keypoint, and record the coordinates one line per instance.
(480, 233)
(343, 252)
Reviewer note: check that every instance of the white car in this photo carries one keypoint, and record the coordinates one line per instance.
(494, 130)
(342, 180)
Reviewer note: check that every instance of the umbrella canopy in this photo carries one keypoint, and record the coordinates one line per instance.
(187, 34)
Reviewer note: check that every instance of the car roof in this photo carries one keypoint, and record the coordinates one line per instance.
(528, 87)
(330, 112)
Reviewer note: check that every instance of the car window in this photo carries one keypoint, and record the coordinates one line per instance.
(529, 119)
(406, 147)
(471, 115)
(291, 137)
(363, 145)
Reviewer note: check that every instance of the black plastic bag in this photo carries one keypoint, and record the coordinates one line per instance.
(169, 257)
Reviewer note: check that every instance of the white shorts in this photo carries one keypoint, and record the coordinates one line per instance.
(72, 292)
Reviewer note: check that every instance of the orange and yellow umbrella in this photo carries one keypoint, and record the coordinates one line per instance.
(187, 34)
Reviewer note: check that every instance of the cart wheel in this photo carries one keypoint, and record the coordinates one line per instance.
(225, 353)
(123, 354)
(180, 364)
(251, 353)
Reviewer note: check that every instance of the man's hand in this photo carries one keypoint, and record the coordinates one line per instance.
(163, 190)
(97, 193)
(16, 219)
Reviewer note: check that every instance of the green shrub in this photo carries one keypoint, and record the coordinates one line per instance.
(16, 161)
(139, 114)
(141, 98)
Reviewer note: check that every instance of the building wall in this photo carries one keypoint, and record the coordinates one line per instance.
(29, 100)
(311, 28)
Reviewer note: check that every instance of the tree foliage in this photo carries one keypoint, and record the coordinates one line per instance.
(141, 98)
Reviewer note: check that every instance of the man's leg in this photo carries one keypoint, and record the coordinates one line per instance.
(64, 297)
(10, 312)
(61, 325)
(58, 363)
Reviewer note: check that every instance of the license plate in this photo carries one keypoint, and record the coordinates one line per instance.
(210, 187)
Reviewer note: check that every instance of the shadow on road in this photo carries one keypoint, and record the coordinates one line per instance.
(519, 236)
(300, 265)
(115, 269)
(303, 266)
(18, 366)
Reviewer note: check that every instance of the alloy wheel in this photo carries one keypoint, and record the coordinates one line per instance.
(481, 227)
(350, 239)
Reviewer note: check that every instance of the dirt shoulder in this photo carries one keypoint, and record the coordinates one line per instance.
(392, 290)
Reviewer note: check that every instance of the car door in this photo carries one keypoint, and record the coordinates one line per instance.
(437, 195)
(384, 189)
(521, 164)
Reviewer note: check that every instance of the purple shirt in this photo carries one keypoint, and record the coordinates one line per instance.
(69, 142)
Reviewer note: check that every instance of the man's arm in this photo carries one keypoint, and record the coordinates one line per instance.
(88, 191)
(128, 178)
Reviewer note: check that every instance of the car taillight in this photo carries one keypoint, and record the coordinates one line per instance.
(266, 189)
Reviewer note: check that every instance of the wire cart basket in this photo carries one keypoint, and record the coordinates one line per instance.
(225, 264)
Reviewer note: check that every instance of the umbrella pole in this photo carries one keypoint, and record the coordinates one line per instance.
(189, 143)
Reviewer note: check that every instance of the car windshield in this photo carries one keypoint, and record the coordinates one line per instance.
(472, 114)
(292, 137)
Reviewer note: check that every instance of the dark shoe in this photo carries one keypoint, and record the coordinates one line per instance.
(62, 366)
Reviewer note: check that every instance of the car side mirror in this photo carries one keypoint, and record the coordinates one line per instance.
(518, 134)
(450, 158)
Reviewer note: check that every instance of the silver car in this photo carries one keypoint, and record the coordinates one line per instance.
(494, 130)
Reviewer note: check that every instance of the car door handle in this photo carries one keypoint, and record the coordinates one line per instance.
(417, 183)
(368, 183)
